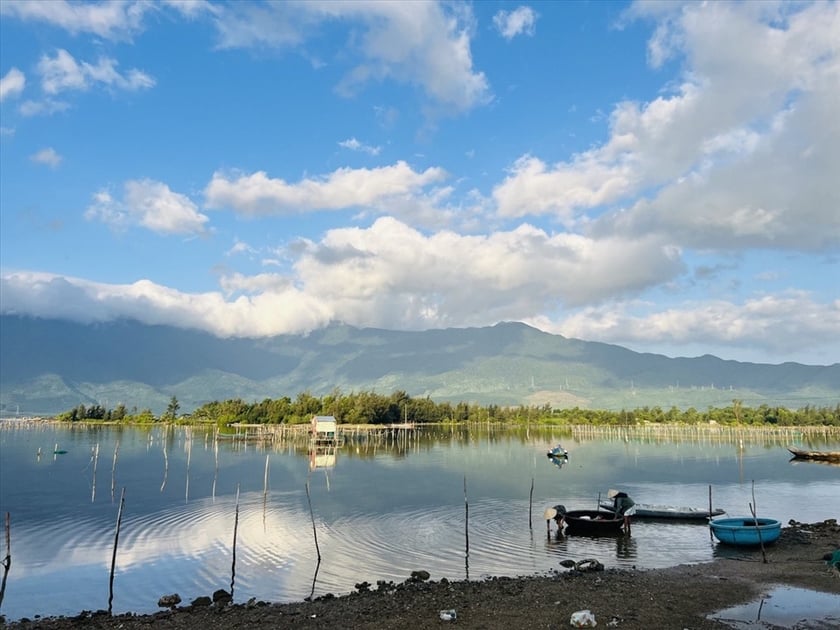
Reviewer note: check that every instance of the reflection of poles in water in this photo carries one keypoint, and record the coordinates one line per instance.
(165, 463)
(94, 457)
(315, 534)
(265, 489)
(189, 455)
(216, 457)
(114, 470)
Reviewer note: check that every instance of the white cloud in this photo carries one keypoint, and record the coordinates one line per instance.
(47, 107)
(387, 275)
(258, 194)
(744, 152)
(7, 131)
(81, 300)
(109, 20)
(522, 20)
(418, 43)
(149, 204)
(47, 156)
(355, 145)
(191, 8)
(63, 72)
(12, 84)
(768, 326)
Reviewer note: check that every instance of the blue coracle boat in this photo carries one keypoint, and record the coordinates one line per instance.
(746, 531)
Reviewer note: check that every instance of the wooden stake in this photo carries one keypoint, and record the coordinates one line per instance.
(466, 531)
(711, 536)
(757, 528)
(531, 505)
(7, 560)
(233, 559)
(114, 554)
(315, 535)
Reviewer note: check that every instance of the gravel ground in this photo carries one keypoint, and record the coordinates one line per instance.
(679, 597)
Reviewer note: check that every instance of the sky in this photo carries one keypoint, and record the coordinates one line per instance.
(660, 175)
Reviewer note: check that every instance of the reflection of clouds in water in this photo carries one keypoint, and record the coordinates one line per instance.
(191, 530)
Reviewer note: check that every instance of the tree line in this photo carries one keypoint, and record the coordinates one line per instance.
(372, 408)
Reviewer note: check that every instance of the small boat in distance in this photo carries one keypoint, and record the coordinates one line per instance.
(746, 531)
(823, 456)
(670, 512)
(558, 452)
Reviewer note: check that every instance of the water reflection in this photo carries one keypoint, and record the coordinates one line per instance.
(391, 504)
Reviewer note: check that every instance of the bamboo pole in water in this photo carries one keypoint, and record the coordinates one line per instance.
(466, 519)
(753, 507)
(233, 558)
(114, 554)
(711, 537)
(7, 559)
(315, 535)
(531, 505)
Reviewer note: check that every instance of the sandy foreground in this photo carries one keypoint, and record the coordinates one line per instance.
(680, 597)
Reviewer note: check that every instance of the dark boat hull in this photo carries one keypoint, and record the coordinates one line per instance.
(592, 522)
(667, 512)
(822, 456)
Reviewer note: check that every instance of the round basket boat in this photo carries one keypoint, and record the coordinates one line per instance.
(746, 531)
(592, 522)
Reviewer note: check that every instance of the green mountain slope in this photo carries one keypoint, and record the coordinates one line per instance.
(48, 366)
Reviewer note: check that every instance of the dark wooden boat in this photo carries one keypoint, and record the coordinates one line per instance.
(823, 456)
(592, 522)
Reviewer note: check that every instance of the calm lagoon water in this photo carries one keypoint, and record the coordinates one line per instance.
(380, 510)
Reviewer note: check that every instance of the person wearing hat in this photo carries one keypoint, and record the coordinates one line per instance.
(623, 505)
(557, 513)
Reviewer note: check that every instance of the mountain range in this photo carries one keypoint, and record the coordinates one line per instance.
(50, 366)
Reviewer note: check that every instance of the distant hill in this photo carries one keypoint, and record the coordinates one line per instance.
(48, 366)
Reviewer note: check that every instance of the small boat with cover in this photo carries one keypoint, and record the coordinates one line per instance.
(746, 531)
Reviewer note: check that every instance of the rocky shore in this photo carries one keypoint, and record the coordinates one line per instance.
(679, 597)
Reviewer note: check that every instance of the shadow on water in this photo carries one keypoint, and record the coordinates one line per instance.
(785, 607)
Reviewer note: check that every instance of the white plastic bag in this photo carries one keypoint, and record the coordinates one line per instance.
(583, 619)
(448, 615)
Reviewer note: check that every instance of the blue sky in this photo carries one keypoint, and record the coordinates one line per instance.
(659, 175)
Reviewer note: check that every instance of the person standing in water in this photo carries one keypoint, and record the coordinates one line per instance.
(623, 505)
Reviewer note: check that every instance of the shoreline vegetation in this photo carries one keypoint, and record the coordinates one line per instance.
(398, 408)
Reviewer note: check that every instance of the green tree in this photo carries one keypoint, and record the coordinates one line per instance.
(172, 409)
